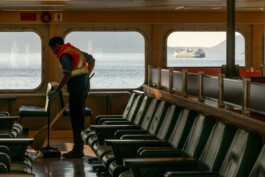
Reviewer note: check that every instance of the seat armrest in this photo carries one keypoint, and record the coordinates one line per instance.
(5, 150)
(139, 136)
(112, 127)
(192, 174)
(98, 118)
(128, 148)
(4, 114)
(7, 122)
(103, 120)
(124, 122)
(16, 141)
(114, 142)
(5, 159)
(10, 117)
(146, 152)
(5, 135)
(107, 131)
(156, 162)
(16, 146)
(12, 174)
(3, 168)
(159, 166)
(120, 133)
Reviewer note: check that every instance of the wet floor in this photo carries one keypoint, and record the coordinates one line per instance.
(58, 167)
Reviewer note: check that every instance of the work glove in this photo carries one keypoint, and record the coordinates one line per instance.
(52, 93)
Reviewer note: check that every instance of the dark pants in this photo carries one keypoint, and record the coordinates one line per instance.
(77, 117)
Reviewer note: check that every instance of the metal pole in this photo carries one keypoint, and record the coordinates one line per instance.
(246, 95)
(185, 83)
(171, 80)
(149, 75)
(230, 39)
(159, 77)
(221, 90)
(200, 95)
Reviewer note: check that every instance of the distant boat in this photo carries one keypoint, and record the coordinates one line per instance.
(189, 53)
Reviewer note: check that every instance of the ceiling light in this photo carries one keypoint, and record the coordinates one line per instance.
(179, 7)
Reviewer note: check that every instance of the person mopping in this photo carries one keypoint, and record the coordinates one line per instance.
(76, 67)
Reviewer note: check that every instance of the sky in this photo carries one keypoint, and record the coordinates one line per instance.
(196, 39)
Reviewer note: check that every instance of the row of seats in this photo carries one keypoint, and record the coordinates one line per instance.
(13, 156)
(155, 138)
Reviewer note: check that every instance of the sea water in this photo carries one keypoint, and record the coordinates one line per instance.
(212, 61)
(24, 71)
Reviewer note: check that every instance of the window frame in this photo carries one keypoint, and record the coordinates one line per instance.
(116, 30)
(169, 32)
(11, 91)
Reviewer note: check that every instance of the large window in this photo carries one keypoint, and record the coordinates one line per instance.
(20, 60)
(119, 57)
(201, 49)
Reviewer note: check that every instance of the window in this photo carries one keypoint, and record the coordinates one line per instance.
(20, 60)
(119, 57)
(201, 49)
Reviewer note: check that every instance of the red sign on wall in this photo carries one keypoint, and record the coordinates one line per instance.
(28, 16)
(250, 72)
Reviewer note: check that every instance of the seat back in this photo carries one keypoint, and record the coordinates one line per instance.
(182, 128)
(149, 114)
(241, 155)
(198, 136)
(135, 107)
(259, 167)
(158, 117)
(142, 110)
(216, 147)
(126, 110)
(128, 106)
(169, 122)
(48, 101)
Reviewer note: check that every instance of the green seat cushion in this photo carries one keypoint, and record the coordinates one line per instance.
(88, 112)
(31, 111)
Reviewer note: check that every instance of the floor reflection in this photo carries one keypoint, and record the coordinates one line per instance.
(58, 167)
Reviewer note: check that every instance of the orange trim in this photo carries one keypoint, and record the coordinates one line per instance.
(250, 72)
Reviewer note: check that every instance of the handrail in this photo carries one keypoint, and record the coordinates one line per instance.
(246, 95)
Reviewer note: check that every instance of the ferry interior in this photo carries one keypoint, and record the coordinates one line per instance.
(178, 88)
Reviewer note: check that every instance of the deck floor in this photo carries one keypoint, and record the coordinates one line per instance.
(55, 167)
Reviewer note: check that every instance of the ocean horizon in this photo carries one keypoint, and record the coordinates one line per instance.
(23, 71)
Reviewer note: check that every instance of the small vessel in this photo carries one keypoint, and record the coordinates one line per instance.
(189, 53)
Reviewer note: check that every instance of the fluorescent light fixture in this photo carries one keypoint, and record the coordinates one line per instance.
(179, 7)
(216, 8)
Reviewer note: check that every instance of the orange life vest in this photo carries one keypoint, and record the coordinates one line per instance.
(79, 64)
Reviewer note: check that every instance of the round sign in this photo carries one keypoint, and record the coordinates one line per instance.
(46, 17)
